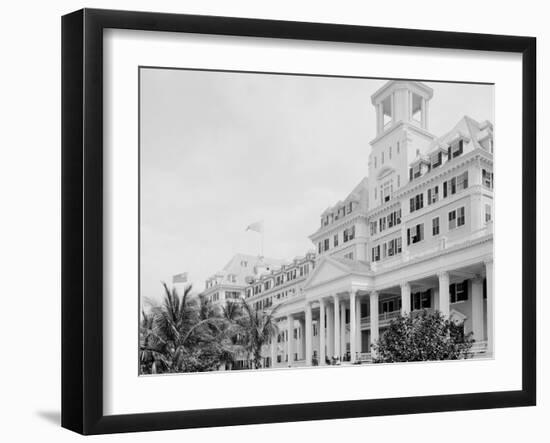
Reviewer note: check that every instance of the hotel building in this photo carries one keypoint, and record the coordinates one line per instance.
(416, 233)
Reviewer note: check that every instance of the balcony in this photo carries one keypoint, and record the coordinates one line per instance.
(428, 247)
(384, 317)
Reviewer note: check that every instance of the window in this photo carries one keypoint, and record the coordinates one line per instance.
(435, 226)
(382, 223)
(455, 184)
(349, 255)
(320, 247)
(487, 179)
(455, 149)
(386, 191)
(349, 234)
(456, 218)
(487, 213)
(421, 300)
(462, 181)
(336, 240)
(417, 202)
(373, 226)
(376, 253)
(461, 219)
(458, 291)
(452, 220)
(437, 160)
(394, 218)
(394, 247)
(415, 234)
(388, 306)
(326, 244)
(433, 195)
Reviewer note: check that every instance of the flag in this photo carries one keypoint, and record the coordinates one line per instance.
(180, 278)
(256, 227)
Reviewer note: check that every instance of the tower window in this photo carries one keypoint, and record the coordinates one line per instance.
(387, 111)
(416, 112)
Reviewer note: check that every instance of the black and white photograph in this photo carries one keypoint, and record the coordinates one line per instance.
(290, 221)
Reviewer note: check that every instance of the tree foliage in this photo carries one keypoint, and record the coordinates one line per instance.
(421, 337)
(188, 334)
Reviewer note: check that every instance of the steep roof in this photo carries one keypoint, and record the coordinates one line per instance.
(467, 128)
(242, 266)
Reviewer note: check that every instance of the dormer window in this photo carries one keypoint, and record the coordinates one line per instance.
(415, 172)
(455, 149)
(437, 160)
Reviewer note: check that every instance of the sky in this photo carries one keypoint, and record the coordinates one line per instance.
(222, 150)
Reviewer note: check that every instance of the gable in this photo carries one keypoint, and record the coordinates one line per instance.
(326, 270)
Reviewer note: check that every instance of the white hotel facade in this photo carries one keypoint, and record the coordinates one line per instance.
(416, 233)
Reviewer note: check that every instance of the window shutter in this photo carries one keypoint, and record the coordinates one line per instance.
(429, 196)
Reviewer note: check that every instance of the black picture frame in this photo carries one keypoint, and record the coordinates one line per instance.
(82, 220)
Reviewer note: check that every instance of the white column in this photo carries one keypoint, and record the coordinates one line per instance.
(337, 326)
(309, 337)
(302, 340)
(322, 339)
(380, 118)
(392, 107)
(444, 299)
(405, 298)
(342, 328)
(373, 319)
(426, 114)
(435, 299)
(490, 301)
(477, 308)
(423, 112)
(352, 325)
(330, 330)
(290, 342)
(358, 323)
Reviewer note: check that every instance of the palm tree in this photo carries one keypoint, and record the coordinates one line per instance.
(182, 335)
(152, 349)
(257, 328)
